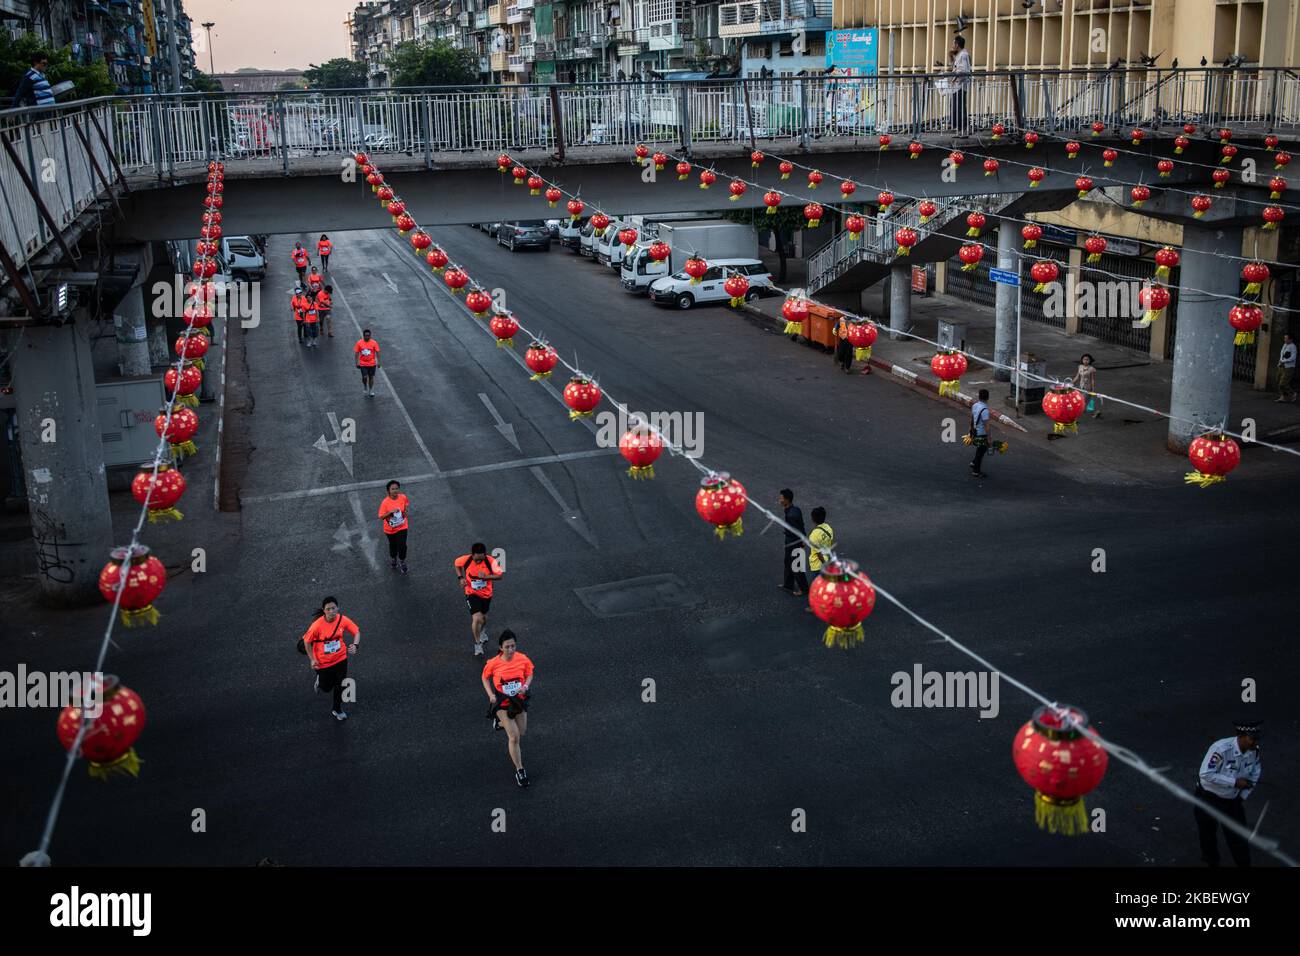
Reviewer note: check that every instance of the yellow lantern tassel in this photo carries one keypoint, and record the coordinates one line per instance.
(970, 267)
(1073, 155)
(736, 528)
(695, 280)
(704, 185)
(792, 328)
(534, 192)
(574, 415)
(843, 637)
(737, 301)
(1030, 243)
(814, 223)
(1197, 478)
(1066, 817)
(1270, 225)
(854, 235)
(144, 615)
(659, 167)
(1111, 163)
(1094, 257)
(1162, 272)
(862, 354)
(972, 231)
(681, 176)
(538, 376)
(505, 343)
(902, 250)
(1151, 316)
(734, 197)
(404, 232)
(164, 515)
(126, 765)
(1198, 213)
(1275, 195)
(1244, 338)
(1253, 288)
(199, 364)
(1178, 150)
(787, 175)
(1225, 160)
(551, 204)
(771, 210)
(924, 220)
(1064, 428)
(949, 388)
(642, 472)
(191, 400)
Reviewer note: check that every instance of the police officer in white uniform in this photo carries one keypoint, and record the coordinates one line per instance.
(1229, 774)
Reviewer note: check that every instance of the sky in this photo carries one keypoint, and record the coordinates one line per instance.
(269, 34)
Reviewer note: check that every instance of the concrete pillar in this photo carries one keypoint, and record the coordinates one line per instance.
(63, 461)
(1073, 276)
(1202, 378)
(1004, 305)
(941, 278)
(900, 298)
(133, 334)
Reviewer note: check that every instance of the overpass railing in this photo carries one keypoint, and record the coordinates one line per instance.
(157, 135)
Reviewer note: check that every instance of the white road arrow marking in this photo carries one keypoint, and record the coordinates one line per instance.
(391, 284)
(572, 516)
(505, 428)
(365, 542)
(338, 448)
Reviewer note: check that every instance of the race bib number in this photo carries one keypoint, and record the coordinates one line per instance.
(332, 647)
(512, 687)
(477, 585)
(395, 517)
(366, 353)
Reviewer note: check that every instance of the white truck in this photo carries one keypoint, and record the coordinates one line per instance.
(707, 238)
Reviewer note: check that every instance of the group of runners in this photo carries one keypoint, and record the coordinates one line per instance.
(332, 636)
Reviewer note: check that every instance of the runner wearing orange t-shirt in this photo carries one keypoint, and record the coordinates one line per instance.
(299, 304)
(311, 321)
(327, 651)
(507, 679)
(300, 260)
(393, 512)
(367, 353)
(325, 306)
(323, 249)
(476, 571)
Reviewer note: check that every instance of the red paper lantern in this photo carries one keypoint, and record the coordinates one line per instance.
(192, 346)
(1109, 156)
(540, 359)
(1139, 194)
(843, 598)
(886, 199)
(1213, 457)
(736, 286)
(553, 195)
(504, 162)
(1137, 135)
(213, 202)
(1166, 259)
(216, 165)
(204, 268)
(848, 187)
(1180, 144)
(197, 316)
(885, 140)
(795, 310)
(956, 158)
(1227, 152)
(108, 743)
(385, 194)
(755, 159)
(1272, 216)
(695, 267)
(478, 302)
(196, 292)
(641, 448)
(855, 224)
(1245, 318)
(1044, 272)
(998, 129)
(599, 223)
(404, 223)
(212, 216)
(1270, 142)
(721, 501)
(659, 251)
(813, 213)
(862, 336)
(183, 383)
(1031, 139)
(975, 221)
(1220, 177)
(1084, 185)
(455, 279)
(437, 259)
(1200, 203)
(1164, 168)
(1277, 186)
(1072, 149)
(1055, 757)
(990, 167)
(707, 178)
(421, 241)
(1255, 274)
(1153, 299)
(1281, 160)
(970, 256)
(575, 207)
(212, 231)
(683, 170)
(214, 189)
(395, 209)
(660, 160)
(948, 367)
(814, 177)
(771, 200)
(179, 431)
(581, 395)
(1189, 128)
(914, 150)
(1095, 246)
(366, 169)
(1063, 405)
(906, 239)
(642, 151)
(786, 168)
(1225, 135)
(519, 172)
(628, 238)
(504, 326)
(1098, 128)
(159, 493)
(1031, 234)
(535, 184)
(927, 209)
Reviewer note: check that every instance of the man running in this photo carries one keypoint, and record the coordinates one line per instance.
(325, 308)
(367, 352)
(300, 260)
(299, 304)
(311, 320)
(327, 653)
(476, 571)
(393, 512)
(323, 249)
(511, 674)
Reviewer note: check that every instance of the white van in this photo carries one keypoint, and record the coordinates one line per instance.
(243, 257)
(678, 290)
(587, 240)
(608, 251)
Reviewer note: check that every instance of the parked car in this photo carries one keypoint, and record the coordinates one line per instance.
(489, 227)
(678, 290)
(529, 234)
(245, 260)
(553, 226)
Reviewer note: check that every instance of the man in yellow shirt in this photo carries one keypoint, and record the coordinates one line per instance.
(822, 538)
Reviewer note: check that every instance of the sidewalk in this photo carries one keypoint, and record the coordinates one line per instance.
(1124, 439)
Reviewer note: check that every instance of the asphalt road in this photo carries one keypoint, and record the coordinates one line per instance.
(753, 718)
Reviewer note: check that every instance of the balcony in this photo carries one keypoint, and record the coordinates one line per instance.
(516, 14)
(759, 17)
(599, 38)
(496, 14)
(519, 61)
(524, 4)
(481, 20)
(663, 36)
(500, 61)
(544, 50)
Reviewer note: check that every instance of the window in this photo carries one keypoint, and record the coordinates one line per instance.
(713, 274)
(756, 269)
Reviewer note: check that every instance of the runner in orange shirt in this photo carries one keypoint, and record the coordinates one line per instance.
(327, 653)
(300, 260)
(311, 320)
(510, 675)
(323, 249)
(315, 281)
(476, 571)
(367, 352)
(393, 511)
(299, 304)
(325, 307)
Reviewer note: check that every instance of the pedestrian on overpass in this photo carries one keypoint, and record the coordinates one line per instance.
(300, 260)
(476, 571)
(795, 579)
(393, 511)
(325, 308)
(367, 353)
(311, 321)
(961, 71)
(509, 674)
(323, 249)
(299, 304)
(327, 653)
(1229, 774)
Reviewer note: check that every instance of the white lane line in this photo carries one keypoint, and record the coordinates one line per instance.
(431, 476)
(383, 375)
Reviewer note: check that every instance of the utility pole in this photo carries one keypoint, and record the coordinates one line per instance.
(167, 7)
(208, 28)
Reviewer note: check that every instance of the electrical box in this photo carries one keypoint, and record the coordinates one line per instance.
(126, 413)
(952, 335)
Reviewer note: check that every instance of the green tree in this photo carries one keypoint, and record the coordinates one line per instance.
(205, 83)
(15, 59)
(417, 63)
(787, 220)
(339, 73)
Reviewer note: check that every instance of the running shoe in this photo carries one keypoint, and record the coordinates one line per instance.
(496, 722)
(372, 393)
(392, 563)
(339, 714)
(478, 649)
(521, 778)
(402, 565)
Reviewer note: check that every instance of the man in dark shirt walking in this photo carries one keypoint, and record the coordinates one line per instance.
(795, 578)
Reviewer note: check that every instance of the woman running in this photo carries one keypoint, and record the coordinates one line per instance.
(328, 654)
(393, 512)
(511, 674)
